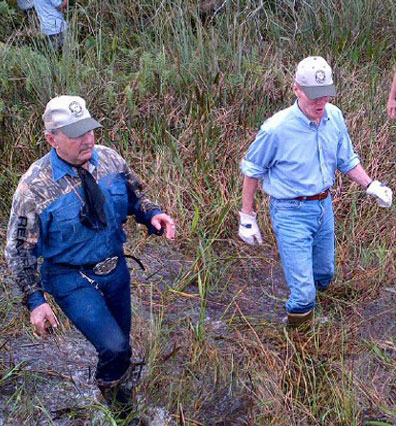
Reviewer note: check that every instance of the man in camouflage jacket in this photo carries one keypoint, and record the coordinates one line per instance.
(69, 209)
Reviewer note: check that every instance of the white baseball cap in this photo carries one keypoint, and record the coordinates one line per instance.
(70, 115)
(315, 77)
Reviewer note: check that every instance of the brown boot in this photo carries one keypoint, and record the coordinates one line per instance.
(296, 320)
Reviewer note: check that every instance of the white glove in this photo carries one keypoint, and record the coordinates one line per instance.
(248, 229)
(381, 192)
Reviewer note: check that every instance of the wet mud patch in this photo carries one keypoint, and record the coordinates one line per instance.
(375, 366)
(53, 377)
(56, 375)
(256, 289)
(377, 318)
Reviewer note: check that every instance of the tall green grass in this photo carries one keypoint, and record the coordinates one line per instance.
(181, 88)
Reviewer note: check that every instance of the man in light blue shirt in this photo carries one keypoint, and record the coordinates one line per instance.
(52, 22)
(296, 154)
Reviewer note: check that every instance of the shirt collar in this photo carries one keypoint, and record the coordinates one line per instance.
(60, 168)
(299, 114)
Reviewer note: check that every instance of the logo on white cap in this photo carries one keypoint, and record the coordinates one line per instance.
(70, 114)
(320, 76)
(76, 109)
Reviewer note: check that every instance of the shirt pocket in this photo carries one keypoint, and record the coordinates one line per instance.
(66, 227)
(119, 201)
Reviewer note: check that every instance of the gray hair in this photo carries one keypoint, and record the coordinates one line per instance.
(51, 131)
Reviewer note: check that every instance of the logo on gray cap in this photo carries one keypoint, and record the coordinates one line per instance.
(76, 109)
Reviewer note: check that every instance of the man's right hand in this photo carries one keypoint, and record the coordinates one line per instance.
(391, 108)
(43, 317)
(248, 229)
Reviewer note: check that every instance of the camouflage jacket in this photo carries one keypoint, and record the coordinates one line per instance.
(45, 216)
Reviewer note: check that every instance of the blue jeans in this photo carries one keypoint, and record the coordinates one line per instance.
(305, 235)
(102, 314)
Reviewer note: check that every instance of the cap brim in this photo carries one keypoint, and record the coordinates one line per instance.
(78, 128)
(314, 92)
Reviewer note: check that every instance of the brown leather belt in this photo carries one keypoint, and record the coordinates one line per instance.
(320, 196)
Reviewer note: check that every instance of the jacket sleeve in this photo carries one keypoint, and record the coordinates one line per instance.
(22, 238)
(139, 204)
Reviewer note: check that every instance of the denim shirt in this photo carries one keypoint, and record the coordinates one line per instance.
(51, 19)
(296, 157)
(45, 216)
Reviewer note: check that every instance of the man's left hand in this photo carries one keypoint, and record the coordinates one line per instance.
(163, 221)
(381, 192)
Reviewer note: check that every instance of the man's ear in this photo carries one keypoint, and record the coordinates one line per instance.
(50, 138)
(296, 89)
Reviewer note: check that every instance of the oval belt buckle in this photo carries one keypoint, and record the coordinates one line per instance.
(106, 266)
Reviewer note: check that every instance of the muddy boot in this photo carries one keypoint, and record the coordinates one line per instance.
(120, 395)
(120, 400)
(297, 320)
(115, 395)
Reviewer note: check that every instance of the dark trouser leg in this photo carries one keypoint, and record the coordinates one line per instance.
(116, 288)
(103, 318)
(55, 43)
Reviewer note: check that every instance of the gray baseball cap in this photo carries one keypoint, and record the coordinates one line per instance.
(70, 115)
(315, 77)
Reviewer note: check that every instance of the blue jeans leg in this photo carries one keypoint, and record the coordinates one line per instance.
(306, 246)
(324, 249)
(104, 317)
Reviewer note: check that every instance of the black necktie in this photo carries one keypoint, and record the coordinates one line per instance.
(92, 213)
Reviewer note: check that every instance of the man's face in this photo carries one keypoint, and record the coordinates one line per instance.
(312, 108)
(73, 150)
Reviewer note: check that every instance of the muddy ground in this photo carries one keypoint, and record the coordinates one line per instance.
(61, 386)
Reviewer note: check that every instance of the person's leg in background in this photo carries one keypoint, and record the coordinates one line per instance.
(54, 43)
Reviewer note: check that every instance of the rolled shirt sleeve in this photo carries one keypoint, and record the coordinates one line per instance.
(260, 156)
